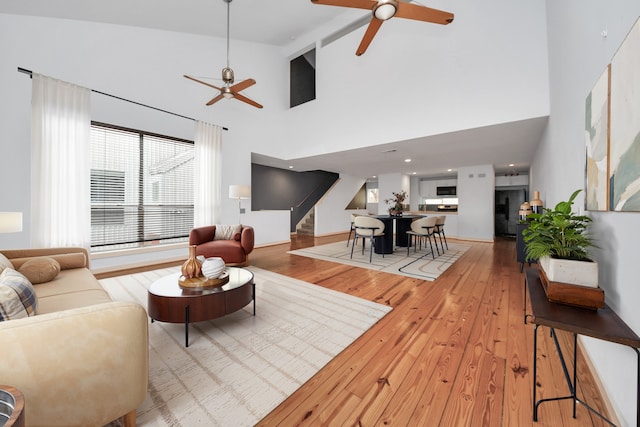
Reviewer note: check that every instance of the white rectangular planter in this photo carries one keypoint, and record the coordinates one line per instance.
(583, 273)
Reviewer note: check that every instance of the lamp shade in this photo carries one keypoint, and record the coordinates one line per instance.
(239, 192)
(10, 222)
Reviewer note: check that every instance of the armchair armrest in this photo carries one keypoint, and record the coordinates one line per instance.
(200, 235)
(84, 366)
(247, 238)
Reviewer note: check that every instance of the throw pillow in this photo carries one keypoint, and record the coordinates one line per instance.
(4, 262)
(40, 269)
(17, 297)
(226, 232)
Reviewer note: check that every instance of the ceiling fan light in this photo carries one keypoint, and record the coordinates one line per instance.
(227, 93)
(385, 9)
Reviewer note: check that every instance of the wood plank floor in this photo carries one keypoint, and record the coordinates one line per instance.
(453, 352)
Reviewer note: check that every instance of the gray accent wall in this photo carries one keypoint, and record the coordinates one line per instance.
(282, 189)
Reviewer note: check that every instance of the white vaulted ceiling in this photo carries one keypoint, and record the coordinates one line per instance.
(279, 23)
(261, 21)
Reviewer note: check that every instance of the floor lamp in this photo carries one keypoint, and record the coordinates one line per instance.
(239, 192)
(10, 222)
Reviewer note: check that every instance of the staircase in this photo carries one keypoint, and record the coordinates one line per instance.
(306, 224)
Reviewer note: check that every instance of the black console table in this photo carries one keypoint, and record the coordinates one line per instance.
(521, 246)
(602, 324)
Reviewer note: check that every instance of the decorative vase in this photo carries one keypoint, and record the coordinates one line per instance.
(213, 267)
(525, 209)
(192, 267)
(536, 203)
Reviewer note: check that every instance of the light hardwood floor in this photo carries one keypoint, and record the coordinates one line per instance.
(453, 352)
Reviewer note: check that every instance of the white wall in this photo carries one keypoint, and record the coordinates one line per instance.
(578, 54)
(330, 214)
(417, 80)
(476, 193)
(414, 193)
(388, 184)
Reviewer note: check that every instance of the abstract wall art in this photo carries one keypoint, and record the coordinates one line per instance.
(624, 144)
(597, 144)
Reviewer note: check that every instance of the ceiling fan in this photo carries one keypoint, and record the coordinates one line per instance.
(387, 9)
(229, 90)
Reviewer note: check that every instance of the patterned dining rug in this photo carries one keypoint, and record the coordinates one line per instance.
(418, 264)
(238, 368)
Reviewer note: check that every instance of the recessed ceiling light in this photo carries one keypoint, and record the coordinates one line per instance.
(290, 167)
(407, 160)
(374, 176)
(449, 170)
(511, 165)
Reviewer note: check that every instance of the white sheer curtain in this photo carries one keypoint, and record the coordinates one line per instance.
(208, 174)
(60, 176)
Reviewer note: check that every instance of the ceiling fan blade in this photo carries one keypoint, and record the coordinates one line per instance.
(372, 29)
(247, 100)
(358, 4)
(215, 99)
(423, 13)
(201, 82)
(242, 85)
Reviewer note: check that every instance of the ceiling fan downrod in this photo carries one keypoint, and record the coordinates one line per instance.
(228, 20)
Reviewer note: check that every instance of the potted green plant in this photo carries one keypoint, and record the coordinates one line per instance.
(396, 203)
(559, 239)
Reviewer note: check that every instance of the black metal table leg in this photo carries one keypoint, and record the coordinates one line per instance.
(535, 370)
(186, 326)
(524, 307)
(638, 389)
(253, 286)
(574, 388)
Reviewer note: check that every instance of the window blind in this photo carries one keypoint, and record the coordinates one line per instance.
(141, 188)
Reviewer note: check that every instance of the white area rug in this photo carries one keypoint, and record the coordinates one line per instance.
(419, 265)
(238, 368)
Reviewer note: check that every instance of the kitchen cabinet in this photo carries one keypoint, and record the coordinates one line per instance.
(428, 187)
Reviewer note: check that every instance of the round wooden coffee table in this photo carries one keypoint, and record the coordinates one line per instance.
(169, 302)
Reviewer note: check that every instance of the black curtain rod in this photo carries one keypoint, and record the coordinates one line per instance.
(30, 73)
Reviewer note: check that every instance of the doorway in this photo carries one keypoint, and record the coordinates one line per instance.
(508, 201)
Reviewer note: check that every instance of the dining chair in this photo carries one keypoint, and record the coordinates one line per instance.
(439, 230)
(351, 227)
(422, 228)
(367, 228)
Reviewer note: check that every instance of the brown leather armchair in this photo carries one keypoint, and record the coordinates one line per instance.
(234, 252)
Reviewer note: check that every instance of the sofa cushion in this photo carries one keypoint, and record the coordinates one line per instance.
(17, 297)
(40, 269)
(4, 262)
(67, 261)
(70, 289)
(229, 250)
(226, 232)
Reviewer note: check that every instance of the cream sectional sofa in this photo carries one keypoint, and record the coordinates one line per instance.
(82, 360)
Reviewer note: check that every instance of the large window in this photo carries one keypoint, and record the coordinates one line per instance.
(141, 188)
